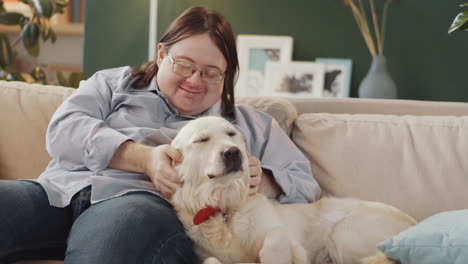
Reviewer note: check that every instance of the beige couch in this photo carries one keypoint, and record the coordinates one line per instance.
(410, 154)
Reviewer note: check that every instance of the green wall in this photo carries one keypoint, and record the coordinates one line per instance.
(425, 62)
(116, 34)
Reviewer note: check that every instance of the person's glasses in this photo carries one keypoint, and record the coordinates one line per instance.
(187, 69)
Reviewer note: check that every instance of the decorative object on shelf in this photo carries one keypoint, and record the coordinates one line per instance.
(294, 79)
(378, 83)
(381, 85)
(33, 17)
(337, 82)
(461, 21)
(254, 52)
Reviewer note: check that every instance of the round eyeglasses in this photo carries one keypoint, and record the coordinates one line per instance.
(187, 69)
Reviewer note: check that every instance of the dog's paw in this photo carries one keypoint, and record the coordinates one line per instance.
(212, 260)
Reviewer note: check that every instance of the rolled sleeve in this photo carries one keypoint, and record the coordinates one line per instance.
(101, 148)
(296, 184)
(278, 153)
(290, 168)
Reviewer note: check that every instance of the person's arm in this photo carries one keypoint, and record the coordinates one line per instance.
(289, 167)
(77, 137)
(156, 162)
(269, 187)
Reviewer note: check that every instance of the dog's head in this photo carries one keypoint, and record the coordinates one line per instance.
(215, 166)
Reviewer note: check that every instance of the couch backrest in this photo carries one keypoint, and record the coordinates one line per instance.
(415, 163)
(25, 111)
(378, 106)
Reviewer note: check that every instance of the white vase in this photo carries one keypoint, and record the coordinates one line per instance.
(378, 83)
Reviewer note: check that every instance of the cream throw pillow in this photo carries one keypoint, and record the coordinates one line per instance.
(280, 109)
(416, 163)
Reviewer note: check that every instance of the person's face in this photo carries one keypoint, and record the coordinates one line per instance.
(191, 95)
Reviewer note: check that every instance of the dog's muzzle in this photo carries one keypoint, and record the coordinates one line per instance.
(232, 159)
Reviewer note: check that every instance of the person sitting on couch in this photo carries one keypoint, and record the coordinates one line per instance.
(103, 197)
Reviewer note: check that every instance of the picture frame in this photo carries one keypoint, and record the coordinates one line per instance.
(254, 52)
(337, 80)
(294, 79)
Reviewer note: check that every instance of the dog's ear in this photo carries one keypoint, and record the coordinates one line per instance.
(176, 143)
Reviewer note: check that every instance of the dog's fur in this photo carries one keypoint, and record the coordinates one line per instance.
(256, 229)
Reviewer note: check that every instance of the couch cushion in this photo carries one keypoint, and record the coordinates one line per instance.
(25, 111)
(282, 110)
(416, 163)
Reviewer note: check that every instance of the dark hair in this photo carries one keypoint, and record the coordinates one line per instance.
(195, 21)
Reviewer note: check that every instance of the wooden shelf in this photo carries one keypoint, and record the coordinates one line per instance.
(59, 29)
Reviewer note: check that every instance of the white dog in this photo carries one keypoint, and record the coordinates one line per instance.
(229, 226)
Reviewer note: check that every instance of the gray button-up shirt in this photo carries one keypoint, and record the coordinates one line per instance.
(106, 111)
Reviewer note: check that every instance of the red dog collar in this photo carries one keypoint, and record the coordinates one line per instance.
(205, 214)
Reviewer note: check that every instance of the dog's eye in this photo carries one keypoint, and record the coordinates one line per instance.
(232, 133)
(201, 140)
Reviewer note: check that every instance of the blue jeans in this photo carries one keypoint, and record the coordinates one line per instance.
(138, 227)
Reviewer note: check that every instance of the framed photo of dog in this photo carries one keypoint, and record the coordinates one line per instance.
(294, 79)
(254, 52)
(337, 81)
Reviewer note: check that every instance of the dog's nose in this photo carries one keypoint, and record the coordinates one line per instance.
(232, 159)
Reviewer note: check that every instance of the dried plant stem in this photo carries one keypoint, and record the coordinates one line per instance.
(366, 26)
(359, 13)
(359, 16)
(384, 21)
(375, 20)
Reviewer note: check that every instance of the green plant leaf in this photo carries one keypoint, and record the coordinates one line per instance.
(61, 79)
(2, 9)
(60, 5)
(3, 74)
(39, 74)
(75, 78)
(460, 22)
(7, 57)
(45, 7)
(34, 50)
(15, 76)
(10, 18)
(52, 35)
(30, 36)
(26, 77)
(23, 21)
(2, 56)
(45, 35)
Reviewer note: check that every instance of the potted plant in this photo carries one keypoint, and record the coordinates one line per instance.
(377, 83)
(461, 21)
(35, 27)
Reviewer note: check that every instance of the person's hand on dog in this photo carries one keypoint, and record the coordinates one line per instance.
(165, 178)
(255, 174)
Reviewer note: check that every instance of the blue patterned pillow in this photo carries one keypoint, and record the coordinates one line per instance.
(439, 239)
